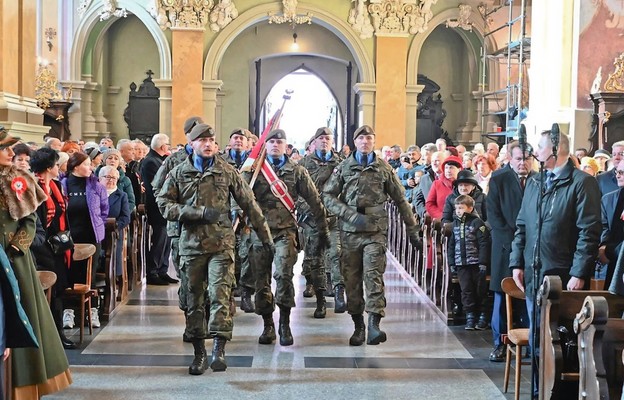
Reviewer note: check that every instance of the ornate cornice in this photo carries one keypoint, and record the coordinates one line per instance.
(390, 17)
(193, 14)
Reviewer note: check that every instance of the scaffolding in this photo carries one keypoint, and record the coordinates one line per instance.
(514, 53)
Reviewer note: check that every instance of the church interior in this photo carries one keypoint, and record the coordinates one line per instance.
(468, 71)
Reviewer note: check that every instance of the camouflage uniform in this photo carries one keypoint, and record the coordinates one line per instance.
(244, 274)
(284, 231)
(173, 228)
(356, 194)
(207, 250)
(320, 171)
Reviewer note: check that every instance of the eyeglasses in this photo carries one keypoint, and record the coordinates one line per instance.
(110, 178)
(619, 172)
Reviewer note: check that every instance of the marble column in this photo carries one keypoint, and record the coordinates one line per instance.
(366, 105)
(391, 99)
(210, 95)
(187, 66)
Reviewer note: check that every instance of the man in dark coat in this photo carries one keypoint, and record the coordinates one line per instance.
(571, 226)
(503, 204)
(158, 258)
(612, 206)
(607, 180)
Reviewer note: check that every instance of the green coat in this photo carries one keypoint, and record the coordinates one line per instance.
(353, 189)
(187, 192)
(299, 184)
(177, 158)
(32, 365)
(320, 171)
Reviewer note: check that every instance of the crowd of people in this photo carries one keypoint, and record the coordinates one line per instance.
(229, 230)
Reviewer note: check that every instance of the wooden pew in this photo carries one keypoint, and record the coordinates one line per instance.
(106, 282)
(601, 340)
(559, 308)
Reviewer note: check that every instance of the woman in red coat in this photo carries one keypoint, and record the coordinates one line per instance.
(442, 187)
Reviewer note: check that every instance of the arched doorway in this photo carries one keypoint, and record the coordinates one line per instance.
(312, 105)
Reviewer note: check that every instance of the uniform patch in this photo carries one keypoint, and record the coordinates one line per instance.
(220, 180)
(482, 228)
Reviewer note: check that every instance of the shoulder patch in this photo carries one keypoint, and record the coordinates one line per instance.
(482, 228)
(336, 171)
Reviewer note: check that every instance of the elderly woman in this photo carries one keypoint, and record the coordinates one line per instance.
(485, 164)
(87, 209)
(42, 370)
(62, 163)
(95, 155)
(21, 159)
(118, 207)
(443, 186)
(589, 165)
(112, 158)
(53, 216)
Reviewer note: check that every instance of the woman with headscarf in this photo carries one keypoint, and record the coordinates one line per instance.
(43, 370)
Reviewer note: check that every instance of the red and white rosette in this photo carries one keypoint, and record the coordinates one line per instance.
(19, 186)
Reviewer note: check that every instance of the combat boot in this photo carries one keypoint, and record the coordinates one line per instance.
(470, 321)
(286, 338)
(330, 288)
(309, 289)
(359, 334)
(321, 310)
(340, 305)
(268, 334)
(375, 335)
(200, 362)
(246, 303)
(217, 363)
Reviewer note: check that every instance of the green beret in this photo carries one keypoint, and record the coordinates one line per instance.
(190, 123)
(199, 131)
(363, 130)
(276, 134)
(321, 132)
(242, 132)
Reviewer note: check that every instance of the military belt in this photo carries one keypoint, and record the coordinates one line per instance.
(369, 210)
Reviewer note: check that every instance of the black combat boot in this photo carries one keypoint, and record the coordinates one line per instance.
(268, 334)
(340, 305)
(470, 321)
(359, 334)
(482, 324)
(246, 303)
(375, 335)
(218, 354)
(330, 288)
(286, 338)
(309, 289)
(200, 362)
(321, 310)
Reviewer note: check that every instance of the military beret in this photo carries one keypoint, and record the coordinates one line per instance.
(199, 131)
(191, 122)
(322, 131)
(363, 130)
(276, 134)
(241, 131)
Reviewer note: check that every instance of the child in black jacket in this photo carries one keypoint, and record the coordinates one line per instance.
(468, 253)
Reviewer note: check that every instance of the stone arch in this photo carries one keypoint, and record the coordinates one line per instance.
(340, 28)
(90, 19)
(413, 55)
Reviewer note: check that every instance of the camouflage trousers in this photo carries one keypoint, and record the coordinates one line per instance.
(175, 257)
(214, 271)
(363, 259)
(284, 261)
(317, 260)
(244, 273)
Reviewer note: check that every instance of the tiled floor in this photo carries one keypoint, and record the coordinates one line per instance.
(139, 354)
